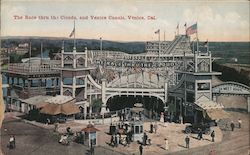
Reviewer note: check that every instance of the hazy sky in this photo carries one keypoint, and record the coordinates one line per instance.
(217, 20)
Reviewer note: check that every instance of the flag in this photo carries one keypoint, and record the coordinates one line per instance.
(192, 29)
(72, 33)
(157, 32)
(205, 43)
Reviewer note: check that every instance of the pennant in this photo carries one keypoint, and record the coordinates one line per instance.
(72, 33)
(205, 43)
(157, 32)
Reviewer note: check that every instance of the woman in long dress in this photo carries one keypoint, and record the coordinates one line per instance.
(166, 144)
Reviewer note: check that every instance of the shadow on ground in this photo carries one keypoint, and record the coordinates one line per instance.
(181, 146)
(240, 110)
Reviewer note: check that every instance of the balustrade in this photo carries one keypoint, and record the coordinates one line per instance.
(34, 68)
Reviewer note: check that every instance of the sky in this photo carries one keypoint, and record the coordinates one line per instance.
(220, 20)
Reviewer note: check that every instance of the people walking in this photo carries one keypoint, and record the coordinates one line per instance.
(92, 149)
(117, 140)
(127, 141)
(141, 149)
(11, 142)
(155, 127)
(112, 140)
(232, 125)
(145, 138)
(239, 122)
(166, 144)
(187, 140)
(213, 135)
(151, 127)
(14, 141)
(200, 134)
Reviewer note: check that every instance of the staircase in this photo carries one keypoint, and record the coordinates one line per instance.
(174, 43)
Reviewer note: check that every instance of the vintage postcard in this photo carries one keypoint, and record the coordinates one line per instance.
(124, 77)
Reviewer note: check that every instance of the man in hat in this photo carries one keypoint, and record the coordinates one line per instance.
(141, 149)
(187, 140)
(232, 125)
(239, 122)
(213, 135)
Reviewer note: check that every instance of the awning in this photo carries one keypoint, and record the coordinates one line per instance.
(37, 101)
(60, 105)
(212, 110)
(209, 105)
(217, 114)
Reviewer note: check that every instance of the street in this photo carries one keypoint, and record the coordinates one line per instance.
(34, 140)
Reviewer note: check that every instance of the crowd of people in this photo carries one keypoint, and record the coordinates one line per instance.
(122, 134)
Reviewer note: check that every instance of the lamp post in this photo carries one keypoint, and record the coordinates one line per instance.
(101, 44)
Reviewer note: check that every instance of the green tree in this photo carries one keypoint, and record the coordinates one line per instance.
(96, 105)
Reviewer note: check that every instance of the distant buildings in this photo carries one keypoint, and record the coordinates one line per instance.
(21, 49)
(24, 45)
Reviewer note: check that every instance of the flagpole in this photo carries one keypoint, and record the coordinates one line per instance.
(101, 44)
(74, 35)
(185, 28)
(29, 53)
(193, 45)
(159, 35)
(178, 29)
(41, 53)
(197, 38)
(207, 46)
(164, 36)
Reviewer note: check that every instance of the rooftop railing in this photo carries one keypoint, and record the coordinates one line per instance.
(31, 68)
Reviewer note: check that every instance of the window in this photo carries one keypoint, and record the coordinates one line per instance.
(203, 86)
(136, 129)
(141, 129)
